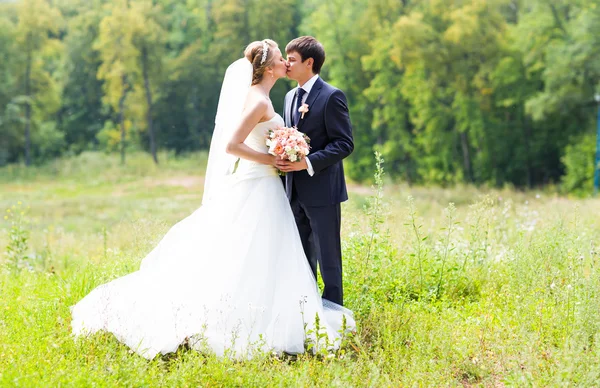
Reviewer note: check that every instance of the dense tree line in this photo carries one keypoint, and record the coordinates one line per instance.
(485, 91)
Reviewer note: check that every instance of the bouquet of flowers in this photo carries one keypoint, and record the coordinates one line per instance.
(288, 143)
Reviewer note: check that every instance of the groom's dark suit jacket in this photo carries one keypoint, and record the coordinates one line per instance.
(327, 123)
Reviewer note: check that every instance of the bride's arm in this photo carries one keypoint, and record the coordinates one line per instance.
(250, 118)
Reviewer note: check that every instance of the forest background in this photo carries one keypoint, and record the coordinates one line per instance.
(491, 92)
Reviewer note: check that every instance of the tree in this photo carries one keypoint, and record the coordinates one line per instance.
(82, 115)
(36, 36)
(562, 62)
(8, 50)
(149, 38)
(119, 62)
(188, 98)
(346, 44)
(391, 127)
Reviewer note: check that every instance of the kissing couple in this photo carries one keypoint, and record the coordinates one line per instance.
(238, 276)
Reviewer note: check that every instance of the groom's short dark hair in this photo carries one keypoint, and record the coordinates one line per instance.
(308, 47)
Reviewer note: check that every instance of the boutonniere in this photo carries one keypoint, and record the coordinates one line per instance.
(303, 109)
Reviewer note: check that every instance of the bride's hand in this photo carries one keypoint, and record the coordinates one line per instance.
(272, 160)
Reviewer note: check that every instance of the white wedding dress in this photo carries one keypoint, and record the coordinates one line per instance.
(231, 278)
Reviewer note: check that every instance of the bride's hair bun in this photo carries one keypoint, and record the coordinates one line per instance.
(254, 53)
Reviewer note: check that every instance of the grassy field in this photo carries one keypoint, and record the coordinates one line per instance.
(499, 288)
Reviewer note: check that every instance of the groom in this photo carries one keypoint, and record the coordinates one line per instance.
(315, 185)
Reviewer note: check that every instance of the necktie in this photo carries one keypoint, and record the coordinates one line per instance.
(296, 115)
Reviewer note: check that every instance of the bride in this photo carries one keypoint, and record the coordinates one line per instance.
(232, 278)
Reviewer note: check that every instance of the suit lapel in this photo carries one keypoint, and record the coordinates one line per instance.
(290, 107)
(312, 96)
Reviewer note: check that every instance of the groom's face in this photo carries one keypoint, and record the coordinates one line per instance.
(298, 70)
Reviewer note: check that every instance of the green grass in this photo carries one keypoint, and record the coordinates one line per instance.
(502, 288)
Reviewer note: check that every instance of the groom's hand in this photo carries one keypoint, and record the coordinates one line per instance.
(287, 166)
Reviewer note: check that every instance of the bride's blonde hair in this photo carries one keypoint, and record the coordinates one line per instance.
(254, 53)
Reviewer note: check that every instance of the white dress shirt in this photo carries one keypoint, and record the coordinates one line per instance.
(307, 87)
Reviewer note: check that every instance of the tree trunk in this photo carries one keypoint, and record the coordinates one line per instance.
(466, 156)
(28, 110)
(122, 116)
(149, 104)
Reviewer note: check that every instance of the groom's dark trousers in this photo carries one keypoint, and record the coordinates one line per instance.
(319, 229)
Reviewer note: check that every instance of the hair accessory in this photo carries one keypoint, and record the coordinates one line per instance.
(265, 52)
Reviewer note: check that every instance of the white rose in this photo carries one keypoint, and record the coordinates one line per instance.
(293, 158)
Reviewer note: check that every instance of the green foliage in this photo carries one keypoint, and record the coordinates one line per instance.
(9, 118)
(29, 86)
(490, 92)
(579, 165)
(370, 245)
(82, 115)
(18, 238)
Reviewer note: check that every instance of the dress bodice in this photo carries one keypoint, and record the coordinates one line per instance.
(257, 137)
(257, 141)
